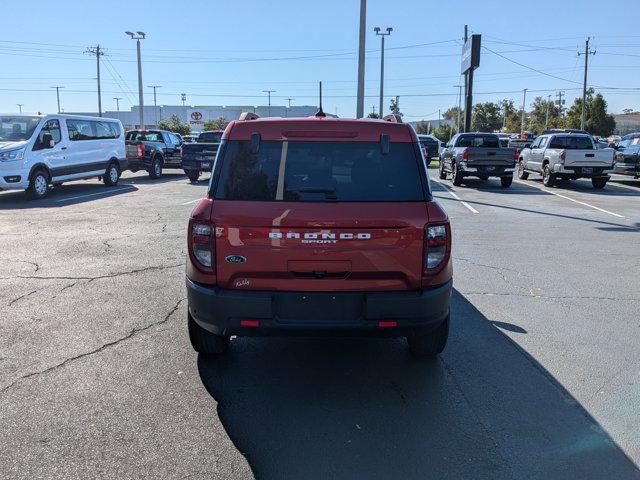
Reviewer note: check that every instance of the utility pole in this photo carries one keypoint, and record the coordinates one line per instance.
(524, 103)
(269, 92)
(137, 38)
(373, 109)
(183, 96)
(546, 118)
(504, 114)
(98, 53)
(438, 118)
(388, 32)
(155, 103)
(466, 82)
(586, 54)
(459, 87)
(117, 99)
(20, 105)
(289, 107)
(361, 55)
(560, 102)
(58, 87)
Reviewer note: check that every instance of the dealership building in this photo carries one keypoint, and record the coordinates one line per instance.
(197, 115)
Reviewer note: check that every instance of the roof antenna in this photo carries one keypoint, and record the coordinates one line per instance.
(320, 113)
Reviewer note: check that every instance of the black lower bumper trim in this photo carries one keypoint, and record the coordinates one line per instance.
(317, 313)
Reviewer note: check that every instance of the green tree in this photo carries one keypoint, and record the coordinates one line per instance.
(173, 124)
(373, 115)
(538, 115)
(444, 132)
(452, 114)
(219, 123)
(486, 117)
(395, 108)
(598, 122)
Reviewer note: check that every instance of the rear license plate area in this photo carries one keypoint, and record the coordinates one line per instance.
(206, 165)
(587, 170)
(318, 308)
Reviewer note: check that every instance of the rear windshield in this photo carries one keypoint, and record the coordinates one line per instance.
(482, 141)
(135, 136)
(572, 143)
(428, 141)
(209, 137)
(319, 171)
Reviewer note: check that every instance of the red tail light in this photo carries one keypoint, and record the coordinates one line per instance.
(141, 150)
(202, 243)
(465, 154)
(517, 155)
(437, 247)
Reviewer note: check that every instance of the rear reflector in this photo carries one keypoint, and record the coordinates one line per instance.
(387, 324)
(249, 323)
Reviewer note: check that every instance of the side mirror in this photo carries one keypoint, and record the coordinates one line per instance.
(47, 140)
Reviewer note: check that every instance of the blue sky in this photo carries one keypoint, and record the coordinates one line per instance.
(226, 53)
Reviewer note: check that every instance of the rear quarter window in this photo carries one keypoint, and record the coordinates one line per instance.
(319, 171)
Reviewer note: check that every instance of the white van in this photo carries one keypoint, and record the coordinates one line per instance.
(37, 151)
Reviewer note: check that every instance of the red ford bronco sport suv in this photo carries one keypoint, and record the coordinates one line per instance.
(318, 226)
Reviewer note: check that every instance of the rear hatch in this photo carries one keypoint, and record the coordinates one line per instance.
(491, 156)
(589, 158)
(319, 216)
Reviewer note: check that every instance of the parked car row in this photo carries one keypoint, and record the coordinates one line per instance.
(41, 151)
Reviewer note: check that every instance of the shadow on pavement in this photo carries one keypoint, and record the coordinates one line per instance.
(363, 408)
(70, 194)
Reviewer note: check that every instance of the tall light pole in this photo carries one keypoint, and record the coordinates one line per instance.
(117, 99)
(269, 92)
(361, 55)
(20, 105)
(137, 38)
(546, 118)
(58, 87)
(586, 54)
(155, 102)
(183, 96)
(383, 34)
(524, 103)
(459, 87)
(288, 100)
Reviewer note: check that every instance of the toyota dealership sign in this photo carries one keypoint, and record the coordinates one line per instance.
(195, 117)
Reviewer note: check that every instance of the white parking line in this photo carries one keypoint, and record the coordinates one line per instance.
(453, 194)
(571, 199)
(191, 201)
(104, 192)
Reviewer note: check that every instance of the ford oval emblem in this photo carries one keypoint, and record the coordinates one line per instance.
(235, 259)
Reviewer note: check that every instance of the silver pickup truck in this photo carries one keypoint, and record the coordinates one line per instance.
(566, 156)
(477, 155)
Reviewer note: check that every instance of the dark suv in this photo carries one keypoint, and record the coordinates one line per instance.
(319, 226)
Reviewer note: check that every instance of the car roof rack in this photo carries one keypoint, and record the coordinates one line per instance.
(248, 116)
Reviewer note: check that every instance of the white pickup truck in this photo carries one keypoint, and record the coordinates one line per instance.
(566, 156)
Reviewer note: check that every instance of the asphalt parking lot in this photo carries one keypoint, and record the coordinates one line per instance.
(540, 379)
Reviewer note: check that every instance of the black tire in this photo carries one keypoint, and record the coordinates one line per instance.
(522, 173)
(483, 177)
(506, 181)
(111, 175)
(429, 344)
(204, 341)
(599, 183)
(38, 185)
(193, 175)
(441, 172)
(548, 177)
(155, 171)
(457, 176)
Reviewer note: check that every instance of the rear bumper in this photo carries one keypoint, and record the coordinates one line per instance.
(317, 313)
(190, 163)
(487, 170)
(135, 163)
(590, 172)
(627, 169)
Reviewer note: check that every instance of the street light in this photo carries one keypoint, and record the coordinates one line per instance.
(20, 105)
(524, 104)
(58, 87)
(383, 34)
(137, 38)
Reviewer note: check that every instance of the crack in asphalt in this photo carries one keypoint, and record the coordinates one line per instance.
(103, 347)
(20, 298)
(552, 297)
(99, 277)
